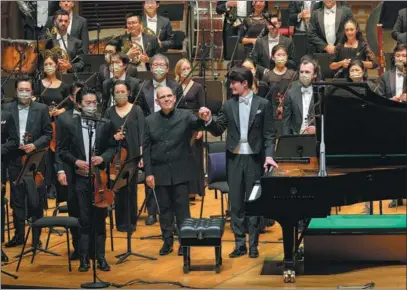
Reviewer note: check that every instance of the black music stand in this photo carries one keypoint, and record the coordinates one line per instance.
(30, 168)
(295, 148)
(126, 174)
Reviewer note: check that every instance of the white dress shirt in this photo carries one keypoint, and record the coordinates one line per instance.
(399, 83)
(152, 23)
(61, 43)
(306, 102)
(22, 119)
(42, 13)
(139, 40)
(242, 8)
(329, 25)
(156, 86)
(273, 42)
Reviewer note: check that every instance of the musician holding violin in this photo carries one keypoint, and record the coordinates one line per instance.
(75, 152)
(35, 133)
(128, 122)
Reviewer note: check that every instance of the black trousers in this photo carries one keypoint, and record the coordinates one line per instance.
(242, 172)
(86, 211)
(121, 199)
(172, 199)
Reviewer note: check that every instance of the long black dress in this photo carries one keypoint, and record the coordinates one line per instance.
(134, 130)
(251, 28)
(193, 100)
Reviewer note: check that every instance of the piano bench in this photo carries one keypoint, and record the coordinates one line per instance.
(202, 233)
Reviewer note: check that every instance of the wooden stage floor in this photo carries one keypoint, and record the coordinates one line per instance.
(243, 272)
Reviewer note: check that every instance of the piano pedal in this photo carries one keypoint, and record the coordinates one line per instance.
(289, 276)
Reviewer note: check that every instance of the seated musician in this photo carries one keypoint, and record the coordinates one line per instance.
(351, 46)
(393, 82)
(35, 133)
(75, 152)
(130, 139)
(357, 73)
(193, 99)
(279, 78)
(160, 25)
(77, 25)
(324, 32)
(300, 14)
(399, 32)
(118, 66)
(139, 45)
(298, 105)
(71, 52)
(264, 47)
(52, 92)
(253, 26)
(159, 67)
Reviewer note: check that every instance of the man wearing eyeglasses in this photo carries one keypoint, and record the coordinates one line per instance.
(168, 162)
(159, 68)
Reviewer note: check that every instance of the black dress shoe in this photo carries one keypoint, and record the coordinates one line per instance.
(253, 253)
(102, 264)
(84, 263)
(180, 253)
(75, 255)
(238, 252)
(166, 249)
(152, 219)
(395, 203)
(4, 258)
(14, 242)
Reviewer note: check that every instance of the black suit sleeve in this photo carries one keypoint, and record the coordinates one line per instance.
(85, 36)
(257, 57)
(291, 54)
(61, 132)
(78, 65)
(221, 7)
(293, 12)
(12, 137)
(269, 133)
(398, 34)
(142, 103)
(147, 151)
(313, 36)
(46, 130)
(218, 126)
(168, 37)
(287, 115)
(384, 89)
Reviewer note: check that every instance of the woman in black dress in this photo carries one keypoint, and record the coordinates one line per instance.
(193, 99)
(131, 139)
(352, 46)
(279, 79)
(52, 92)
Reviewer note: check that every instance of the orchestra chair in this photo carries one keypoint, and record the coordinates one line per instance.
(50, 222)
(62, 197)
(217, 177)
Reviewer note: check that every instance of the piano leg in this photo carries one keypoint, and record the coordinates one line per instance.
(289, 239)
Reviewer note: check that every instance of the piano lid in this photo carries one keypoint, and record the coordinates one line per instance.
(361, 128)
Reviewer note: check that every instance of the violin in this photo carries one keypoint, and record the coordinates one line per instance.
(39, 178)
(281, 97)
(53, 143)
(103, 196)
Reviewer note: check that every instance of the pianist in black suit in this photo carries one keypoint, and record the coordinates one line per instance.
(399, 32)
(298, 105)
(327, 25)
(250, 145)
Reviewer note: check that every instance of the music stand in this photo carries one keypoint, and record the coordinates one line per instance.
(296, 148)
(123, 179)
(30, 168)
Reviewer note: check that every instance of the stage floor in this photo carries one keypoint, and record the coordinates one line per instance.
(243, 272)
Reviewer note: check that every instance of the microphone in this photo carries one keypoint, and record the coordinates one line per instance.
(25, 8)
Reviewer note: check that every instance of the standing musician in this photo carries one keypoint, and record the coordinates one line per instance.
(193, 99)
(9, 143)
(159, 67)
(326, 26)
(52, 92)
(168, 162)
(399, 32)
(250, 144)
(118, 67)
(352, 46)
(298, 105)
(278, 79)
(264, 46)
(75, 152)
(160, 25)
(77, 26)
(129, 139)
(71, 51)
(300, 14)
(139, 45)
(35, 133)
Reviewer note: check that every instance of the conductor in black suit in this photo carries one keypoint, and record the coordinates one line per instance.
(78, 26)
(399, 32)
(327, 25)
(249, 145)
(168, 162)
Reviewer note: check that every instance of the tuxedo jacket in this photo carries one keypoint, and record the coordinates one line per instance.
(317, 35)
(146, 99)
(261, 134)
(75, 52)
(165, 29)
(387, 85)
(292, 110)
(79, 29)
(262, 57)
(399, 32)
(296, 7)
(9, 134)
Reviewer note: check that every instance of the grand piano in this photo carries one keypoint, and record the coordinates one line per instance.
(362, 156)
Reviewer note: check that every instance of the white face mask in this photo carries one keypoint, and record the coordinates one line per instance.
(49, 69)
(89, 110)
(115, 67)
(23, 95)
(159, 72)
(305, 79)
(120, 97)
(185, 73)
(399, 64)
(108, 57)
(356, 75)
(281, 60)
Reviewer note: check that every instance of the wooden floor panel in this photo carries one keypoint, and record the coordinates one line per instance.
(49, 271)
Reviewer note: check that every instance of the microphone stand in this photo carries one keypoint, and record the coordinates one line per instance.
(97, 26)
